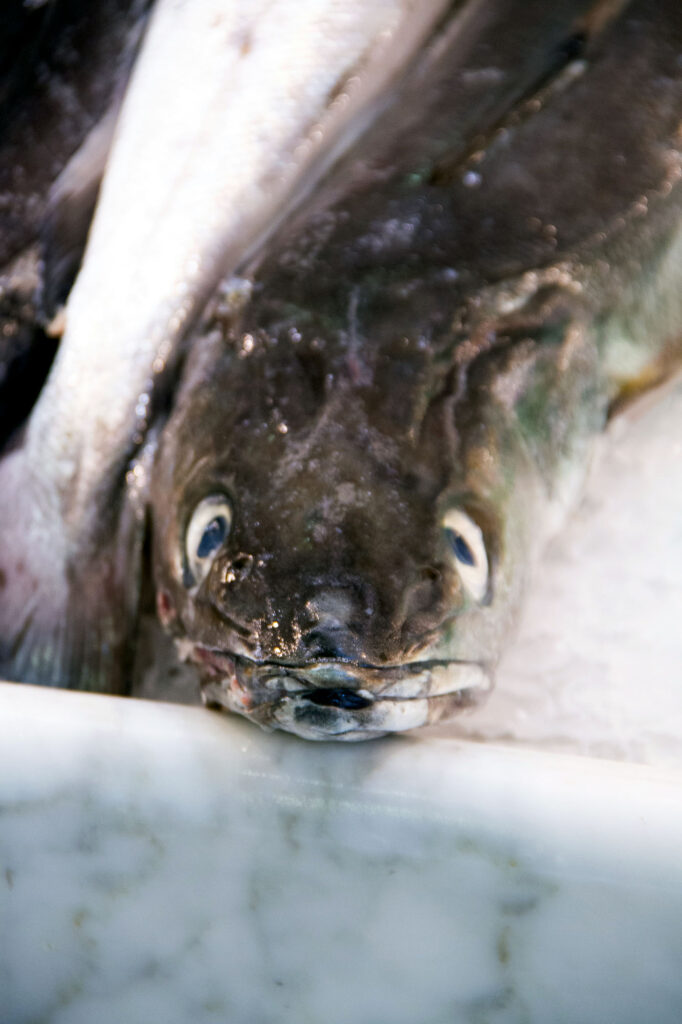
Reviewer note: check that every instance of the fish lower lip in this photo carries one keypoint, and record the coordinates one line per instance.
(328, 700)
(338, 697)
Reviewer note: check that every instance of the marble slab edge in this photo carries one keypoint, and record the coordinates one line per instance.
(166, 862)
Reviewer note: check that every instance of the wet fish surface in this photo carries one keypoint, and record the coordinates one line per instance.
(383, 418)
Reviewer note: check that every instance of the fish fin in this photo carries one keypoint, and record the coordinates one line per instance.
(58, 646)
(68, 605)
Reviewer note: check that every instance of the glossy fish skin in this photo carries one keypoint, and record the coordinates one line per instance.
(447, 329)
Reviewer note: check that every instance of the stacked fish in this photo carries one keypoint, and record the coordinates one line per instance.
(341, 296)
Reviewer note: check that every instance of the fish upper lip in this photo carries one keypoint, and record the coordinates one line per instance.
(292, 666)
(298, 680)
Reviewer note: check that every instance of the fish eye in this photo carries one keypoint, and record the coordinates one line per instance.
(467, 546)
(206, 533)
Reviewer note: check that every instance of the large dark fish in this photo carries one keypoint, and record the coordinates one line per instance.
(364, 460)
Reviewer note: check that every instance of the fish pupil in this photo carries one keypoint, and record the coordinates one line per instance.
(212, 537)
(463, 552)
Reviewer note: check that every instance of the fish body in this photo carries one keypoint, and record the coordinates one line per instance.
(366, 458)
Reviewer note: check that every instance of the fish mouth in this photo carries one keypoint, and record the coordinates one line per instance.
(332, 700)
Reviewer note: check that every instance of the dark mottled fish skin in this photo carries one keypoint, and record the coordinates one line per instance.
(445, 328)
(62, 66)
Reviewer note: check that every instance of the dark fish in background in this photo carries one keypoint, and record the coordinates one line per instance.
(63, 68)
(385, 415)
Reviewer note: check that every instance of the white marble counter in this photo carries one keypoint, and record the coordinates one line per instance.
(161, 863)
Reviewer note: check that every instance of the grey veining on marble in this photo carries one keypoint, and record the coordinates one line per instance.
(161, 863)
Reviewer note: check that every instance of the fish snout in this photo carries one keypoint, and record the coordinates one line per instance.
(333, 622)
(335, 644)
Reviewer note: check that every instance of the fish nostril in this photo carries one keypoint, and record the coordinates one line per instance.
(237, 569)
(338, 697)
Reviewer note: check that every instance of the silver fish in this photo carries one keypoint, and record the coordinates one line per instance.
(364, 460)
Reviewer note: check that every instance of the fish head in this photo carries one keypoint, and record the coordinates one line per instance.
(332, 543)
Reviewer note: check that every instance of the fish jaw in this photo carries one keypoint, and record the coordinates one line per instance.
(329, 700)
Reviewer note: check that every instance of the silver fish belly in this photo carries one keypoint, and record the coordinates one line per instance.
(373, 441)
